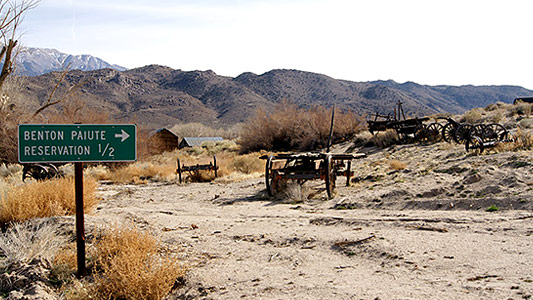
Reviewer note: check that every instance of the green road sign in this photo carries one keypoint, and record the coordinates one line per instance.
(77, 143)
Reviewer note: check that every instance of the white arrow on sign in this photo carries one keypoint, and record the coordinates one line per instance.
(124, 135)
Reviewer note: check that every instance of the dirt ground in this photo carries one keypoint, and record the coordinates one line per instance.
(422, 232)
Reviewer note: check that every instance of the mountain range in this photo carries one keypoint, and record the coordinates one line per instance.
(37, 61)
(158, 96)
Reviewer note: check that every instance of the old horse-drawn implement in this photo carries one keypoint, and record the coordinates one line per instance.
(40, 171)
(406, 128)
(301, 167)
(196, 168)
(475, 137)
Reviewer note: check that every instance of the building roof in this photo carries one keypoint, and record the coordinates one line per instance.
(165, 129)
(523, 99)
(198, 141)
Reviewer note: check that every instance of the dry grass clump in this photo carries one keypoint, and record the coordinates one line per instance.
(362, 138)
(523, 140)
(45, 199)
(140, 173)
(397, 165)
(212, 148)
(521, 109)
(130, 265)
(162, 167)
(248, 164)
(291, 128)
(386, 138)
(34, 239)
(473, 116)
(525, 123)
(293, 192)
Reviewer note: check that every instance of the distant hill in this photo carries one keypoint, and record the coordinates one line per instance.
(158, 96)
(38, 61)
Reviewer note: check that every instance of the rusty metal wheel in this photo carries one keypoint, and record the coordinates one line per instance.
(474, 144)
(36, 172)
(433, 132)
(495, 132)
(331, 177)
(462, 133)
(448, 132)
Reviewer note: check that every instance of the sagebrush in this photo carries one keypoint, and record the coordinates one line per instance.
(289, 127)
(45, 199)
(129, 264)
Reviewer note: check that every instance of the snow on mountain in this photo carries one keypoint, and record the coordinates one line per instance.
(38, 61)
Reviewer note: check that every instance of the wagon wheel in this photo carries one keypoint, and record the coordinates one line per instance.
(462, 133)
(36, 172)
(433, 132)
(478, 130)
(475, 144)
(53, 171)
(448, 132)
(496, 132)
(421, 133)
(270, 176)
(331, 176)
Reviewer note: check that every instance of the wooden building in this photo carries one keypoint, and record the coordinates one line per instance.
(165, 140)
(523, 99)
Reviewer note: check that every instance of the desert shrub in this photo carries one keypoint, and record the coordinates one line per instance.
(521, 108)
(213, 148)
(9, 169)
(523, 140)
(130, 265)
(526, 123)
(291, 128)
(293, 192)
(141, 172)
(386, 138)
(34, 239)
(45, 199)
(496, 117)
(363, 138)
(10, 117)
(397, 165)
(472, 116)
(248, 164)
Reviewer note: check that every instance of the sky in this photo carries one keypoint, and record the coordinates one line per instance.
(451, 42)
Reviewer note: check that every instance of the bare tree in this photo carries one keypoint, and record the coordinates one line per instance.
(11, 15)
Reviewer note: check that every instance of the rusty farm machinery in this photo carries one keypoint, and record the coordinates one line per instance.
(408, 129)
(302, 167)
(475, 137)
(196, 169)
(40, 171)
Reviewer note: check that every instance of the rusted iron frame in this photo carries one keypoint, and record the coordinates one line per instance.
(207, 167)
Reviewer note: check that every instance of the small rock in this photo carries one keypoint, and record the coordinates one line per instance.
(472, 179)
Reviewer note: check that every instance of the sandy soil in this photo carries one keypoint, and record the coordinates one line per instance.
(422, 232)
